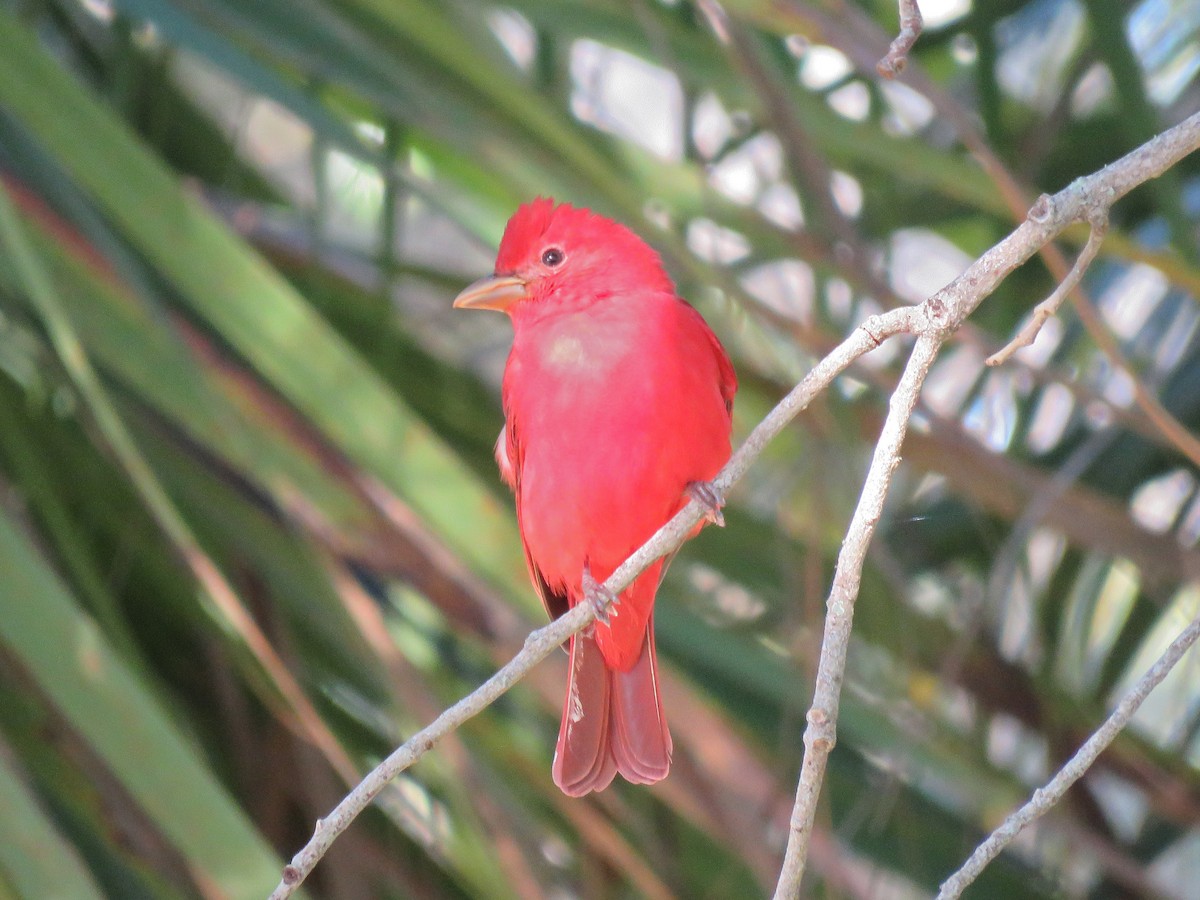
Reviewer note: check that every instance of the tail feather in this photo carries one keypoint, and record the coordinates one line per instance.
(582, 761)
(612, 722)
(638, 737)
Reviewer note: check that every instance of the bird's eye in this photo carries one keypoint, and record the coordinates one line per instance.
(553, 257)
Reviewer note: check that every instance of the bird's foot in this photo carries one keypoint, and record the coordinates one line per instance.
(706, 495)
(601, 599)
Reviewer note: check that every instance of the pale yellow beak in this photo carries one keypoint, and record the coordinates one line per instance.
(494, 292)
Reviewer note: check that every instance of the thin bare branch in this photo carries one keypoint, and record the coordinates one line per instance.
(1050, 305)
(933, 322)
(1087, 198)
(1046, 797)
(821, 733)
(541, 642)
(860, 39)
(911, 26)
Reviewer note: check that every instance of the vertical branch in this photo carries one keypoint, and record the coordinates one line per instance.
(544, 640)
(821, 733)
(1088, 198)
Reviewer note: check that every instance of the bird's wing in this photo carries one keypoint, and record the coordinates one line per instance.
(725, 370)
(727, 383)
(509, 456)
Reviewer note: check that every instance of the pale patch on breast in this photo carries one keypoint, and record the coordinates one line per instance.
(565, 351)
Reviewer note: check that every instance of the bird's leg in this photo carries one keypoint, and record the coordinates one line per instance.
(706, 495)
(601, 599)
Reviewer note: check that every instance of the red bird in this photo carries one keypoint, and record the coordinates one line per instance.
(617, 402)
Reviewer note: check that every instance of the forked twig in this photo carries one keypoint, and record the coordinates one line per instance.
(1049, 306)
(1085, 199)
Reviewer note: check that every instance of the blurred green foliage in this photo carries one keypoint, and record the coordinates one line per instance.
(251, 534)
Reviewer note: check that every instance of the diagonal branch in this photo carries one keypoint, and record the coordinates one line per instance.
(821, 733)
(933, 322)
(1050, 305)
(861, 39)
(1046, 797)
(1088, 198)
(541, 642)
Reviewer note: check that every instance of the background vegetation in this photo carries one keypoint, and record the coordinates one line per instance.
(251, 534)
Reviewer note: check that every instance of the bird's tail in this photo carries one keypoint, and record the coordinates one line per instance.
(612, 721)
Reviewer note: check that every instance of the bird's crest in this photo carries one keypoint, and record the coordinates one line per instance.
(610, 245)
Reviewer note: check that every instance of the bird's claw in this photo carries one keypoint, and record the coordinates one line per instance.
(600, 598)
(706, 495)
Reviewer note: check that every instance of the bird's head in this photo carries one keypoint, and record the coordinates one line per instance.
(557, 256)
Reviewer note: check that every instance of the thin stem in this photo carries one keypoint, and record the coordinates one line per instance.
(911, 26)
(1088, 198)
(540, 643)
(1046, 797)
(1050, 305)
(933, 321)
(821, 733)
